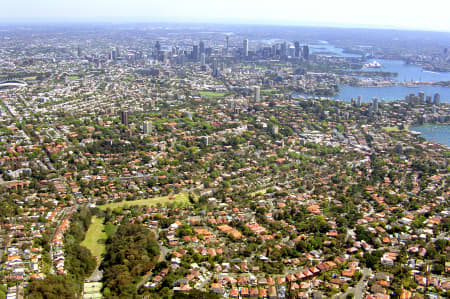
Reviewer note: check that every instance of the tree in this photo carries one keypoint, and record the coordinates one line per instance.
(52, 287)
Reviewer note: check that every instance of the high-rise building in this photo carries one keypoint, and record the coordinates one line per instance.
(297, 49)
(429, 100)
(195, 54)
(257, 93)
(305, 52)
(245, 44)
(157, 50)
(358, 102)
(421, 97)
(375, 104)
(228, 42)
(202, 47)
(147, 127)
(283, 49)
(216, 70)
(203, 59)
(113, 55)
(117, 51)
(157, 46)
(437, 99)
(79, 52)
(124, 117)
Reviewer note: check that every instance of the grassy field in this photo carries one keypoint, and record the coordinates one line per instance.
(180, 198)
(211, 94)
(95, 237)
(261, 191)
(391, 129)
(270, 91)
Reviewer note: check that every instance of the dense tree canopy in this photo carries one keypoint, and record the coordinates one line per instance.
(52, 287)
(130, 253)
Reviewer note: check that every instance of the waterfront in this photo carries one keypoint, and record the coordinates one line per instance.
(390, 93)
(408, 72)
(326, 49)
(436, 133)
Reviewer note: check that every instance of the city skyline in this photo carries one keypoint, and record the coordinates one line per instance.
(412, 15)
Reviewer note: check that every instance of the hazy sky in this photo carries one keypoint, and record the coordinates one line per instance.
(412, 14)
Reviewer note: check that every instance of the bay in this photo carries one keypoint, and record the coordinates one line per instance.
(408, 72)
(328, 50)
(390, 93)
(436, 133)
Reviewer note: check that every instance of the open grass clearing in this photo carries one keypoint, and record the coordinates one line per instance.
(261, 191)
(391, 129)
(211, 94)
(95, 238)
(180, 198)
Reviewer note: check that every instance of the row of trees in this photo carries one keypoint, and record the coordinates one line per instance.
(79, 263)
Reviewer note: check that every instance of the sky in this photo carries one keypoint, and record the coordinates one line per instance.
(400, 14)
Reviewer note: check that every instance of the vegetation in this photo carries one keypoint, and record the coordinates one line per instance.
(130, 253)
(52, 287)
(95, 238)
(211, 95)
(181, 199)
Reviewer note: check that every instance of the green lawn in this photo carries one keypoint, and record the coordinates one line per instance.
(180, 198)
(391, 129)
(95, 237)
(211, 94)
(261, 191)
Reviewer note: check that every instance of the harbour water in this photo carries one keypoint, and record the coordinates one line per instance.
(405, 73)
(390, 93)
(408, 72)
(436, 133)
(325, 49)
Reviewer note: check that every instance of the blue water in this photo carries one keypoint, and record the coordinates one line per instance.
(408, 72)
(390, 93)
(335, 52)
(437, 133)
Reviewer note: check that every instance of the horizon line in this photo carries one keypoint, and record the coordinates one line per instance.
(183, 20)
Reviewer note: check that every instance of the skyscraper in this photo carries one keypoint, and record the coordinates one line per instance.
(437, 99)
(283, 49)
(297, 49)
(195, 54)
(358, 102)
(305, 52)
(156, 50)
(228, 42)
(124, 118)
(257, 93)
(157, 46)
(421, 97)
(202, 47)
(113, 54)
(203, 59)
(375, 104)
(245, 43)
